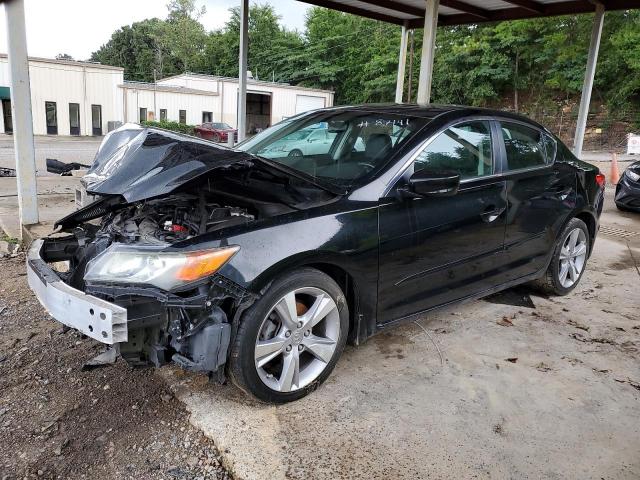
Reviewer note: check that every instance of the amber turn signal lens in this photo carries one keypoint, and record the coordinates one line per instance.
(201, 264)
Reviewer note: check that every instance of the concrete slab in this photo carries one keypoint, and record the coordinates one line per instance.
(565, 406)
(55, 200)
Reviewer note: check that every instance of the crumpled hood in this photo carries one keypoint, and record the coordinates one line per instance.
(143, 162)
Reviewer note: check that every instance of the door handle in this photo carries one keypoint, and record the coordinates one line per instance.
(491, 213)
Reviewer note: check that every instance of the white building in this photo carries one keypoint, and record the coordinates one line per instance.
(81, 98)
(195, 98)
(67, 97)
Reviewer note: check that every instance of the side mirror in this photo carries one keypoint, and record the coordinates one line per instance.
(433, 184)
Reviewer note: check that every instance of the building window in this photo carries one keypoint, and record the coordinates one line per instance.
(74, 119)
(143, 115)
(207, 117)
(182, 116)
(6, 113)
(163, 114)
(96, 119)
(52, 118)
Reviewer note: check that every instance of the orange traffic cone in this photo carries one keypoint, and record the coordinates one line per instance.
(614, 176)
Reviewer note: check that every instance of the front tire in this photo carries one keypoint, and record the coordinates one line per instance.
(290, 339)
(569, 259)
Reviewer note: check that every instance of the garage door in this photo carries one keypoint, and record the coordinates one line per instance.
(305, 103)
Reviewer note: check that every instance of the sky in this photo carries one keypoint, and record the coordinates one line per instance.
(79, 27)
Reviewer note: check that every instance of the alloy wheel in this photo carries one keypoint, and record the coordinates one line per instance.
(572, 257)
(297, 339)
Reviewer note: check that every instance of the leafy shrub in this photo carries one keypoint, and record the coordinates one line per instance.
(173, 126)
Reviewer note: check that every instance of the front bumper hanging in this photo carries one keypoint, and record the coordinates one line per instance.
(96, 318)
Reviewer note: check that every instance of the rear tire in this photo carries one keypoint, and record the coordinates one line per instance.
(290, 339)
(569, 260)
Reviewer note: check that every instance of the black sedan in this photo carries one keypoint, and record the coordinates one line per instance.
(262, 269)
(628, 189)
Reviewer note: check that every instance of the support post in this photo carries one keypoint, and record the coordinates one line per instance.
(428, 51)
(587, 86)
(21, 111)
(242, 80)
(402, 62)
(155, 85)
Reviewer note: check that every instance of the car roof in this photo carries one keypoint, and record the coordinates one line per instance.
(431, 111)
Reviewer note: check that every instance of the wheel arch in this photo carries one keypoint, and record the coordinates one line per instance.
(347, 284)
(332, 266)
(590, 221)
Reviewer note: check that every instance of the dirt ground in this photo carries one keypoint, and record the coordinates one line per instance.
(57, 421)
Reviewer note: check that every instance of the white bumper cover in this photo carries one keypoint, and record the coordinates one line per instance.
(96, 318)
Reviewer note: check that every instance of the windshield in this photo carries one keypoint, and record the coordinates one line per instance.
(222, 126)
(337, 147)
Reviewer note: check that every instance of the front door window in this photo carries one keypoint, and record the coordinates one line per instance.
(464, 148)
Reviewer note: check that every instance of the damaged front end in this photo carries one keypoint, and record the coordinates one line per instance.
(139, 267)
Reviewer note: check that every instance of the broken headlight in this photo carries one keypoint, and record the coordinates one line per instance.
(149, 265)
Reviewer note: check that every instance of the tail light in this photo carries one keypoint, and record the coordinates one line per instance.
(600, 180)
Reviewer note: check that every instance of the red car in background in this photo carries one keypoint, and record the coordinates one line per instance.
(216, 131)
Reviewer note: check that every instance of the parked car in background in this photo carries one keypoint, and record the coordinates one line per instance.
(305, 142)
(216, 131)
(628, 189)
(261, 269)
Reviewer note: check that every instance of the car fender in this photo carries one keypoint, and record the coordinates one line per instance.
(347, 241)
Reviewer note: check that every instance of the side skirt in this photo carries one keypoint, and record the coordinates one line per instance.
(470, 298)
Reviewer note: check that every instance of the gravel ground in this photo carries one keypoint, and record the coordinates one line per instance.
(57, 421)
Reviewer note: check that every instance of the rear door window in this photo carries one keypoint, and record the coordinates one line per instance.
(525, 146)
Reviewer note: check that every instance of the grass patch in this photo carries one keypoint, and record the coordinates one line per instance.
(11, 240)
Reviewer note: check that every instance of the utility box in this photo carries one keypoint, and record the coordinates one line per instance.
(633, 144)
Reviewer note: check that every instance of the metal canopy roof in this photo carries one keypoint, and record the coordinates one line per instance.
(457, 12)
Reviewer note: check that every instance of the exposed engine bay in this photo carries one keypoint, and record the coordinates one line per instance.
(156, 193)
(171, 219)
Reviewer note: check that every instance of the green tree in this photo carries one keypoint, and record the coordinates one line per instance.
(532, 65)
(182, 34)
(139, 50)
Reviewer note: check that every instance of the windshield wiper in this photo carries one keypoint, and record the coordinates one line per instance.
(329, 187)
